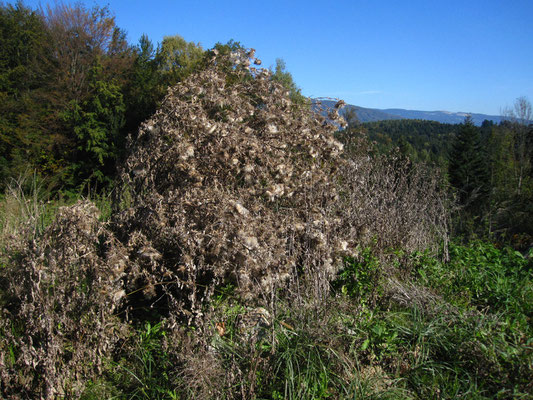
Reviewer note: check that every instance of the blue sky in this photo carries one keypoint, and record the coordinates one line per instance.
(469, 55)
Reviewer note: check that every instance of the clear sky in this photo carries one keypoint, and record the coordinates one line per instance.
(468, 55)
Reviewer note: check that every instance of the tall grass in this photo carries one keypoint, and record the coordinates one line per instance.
(28, 206)
(23, 208)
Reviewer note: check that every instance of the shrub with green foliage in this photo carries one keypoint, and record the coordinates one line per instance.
(360, 276)
(483, 276)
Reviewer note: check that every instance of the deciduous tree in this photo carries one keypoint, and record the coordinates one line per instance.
(177, 58)
(520, 118)
(281, 75)
(23, 36)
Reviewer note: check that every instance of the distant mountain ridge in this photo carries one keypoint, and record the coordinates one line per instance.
(445, 117)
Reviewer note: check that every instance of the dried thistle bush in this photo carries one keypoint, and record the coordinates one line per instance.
(390, 202)
(229, 181)
(57, 325)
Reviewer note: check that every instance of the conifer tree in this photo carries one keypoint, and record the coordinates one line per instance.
(467, 168)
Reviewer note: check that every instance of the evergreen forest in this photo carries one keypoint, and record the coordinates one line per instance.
(486, 168)
(179, 223)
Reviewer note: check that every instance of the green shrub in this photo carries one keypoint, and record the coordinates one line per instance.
(359, 278)
(483, 276)
(147, 371)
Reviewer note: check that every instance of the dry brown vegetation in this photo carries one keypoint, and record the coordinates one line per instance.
(229, 183)
(63, 290)
(391, 201)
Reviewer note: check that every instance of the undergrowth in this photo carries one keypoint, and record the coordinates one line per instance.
(474, 341)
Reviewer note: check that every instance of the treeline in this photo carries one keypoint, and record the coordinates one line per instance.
(426, 141)
(72, 88)
(490, 168)
(421, 140)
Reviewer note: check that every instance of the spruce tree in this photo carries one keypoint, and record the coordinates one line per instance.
(467, 168)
